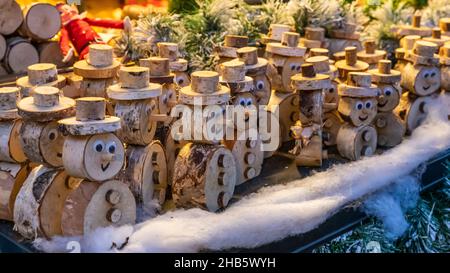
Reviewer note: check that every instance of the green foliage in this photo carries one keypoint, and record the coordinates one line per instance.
(182, 6)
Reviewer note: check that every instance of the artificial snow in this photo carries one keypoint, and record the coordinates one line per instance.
(275, 212)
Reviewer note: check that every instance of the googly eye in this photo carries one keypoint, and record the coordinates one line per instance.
(433, 74)
(180, 81)
(242, 102)
(359, 105)
(260, 85)
(53, 134)
(249, 102)
(111, 147)
(368, 105)
(298, 68)
(293, 67)
(99, 146)
(426, 75)
(388, 92)
(331, 90)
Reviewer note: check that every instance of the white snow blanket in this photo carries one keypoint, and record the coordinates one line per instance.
(275, 212)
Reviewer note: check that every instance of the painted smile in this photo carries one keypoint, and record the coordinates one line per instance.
(426, 88)
(363, 118)
(104, 168)
(382, 104)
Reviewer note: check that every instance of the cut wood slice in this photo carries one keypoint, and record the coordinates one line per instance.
(95, 205)
(96, 157)
(136, 126)
(42, 142)
(146, 175)
(420, 80)
(10, 147)
(204, 176)
(29, 199)
(288, 111)
(412, 111)
(390, 129)
(117, 92)
(85, 70)
(53, 201)
(50, 52)
(19, 55)
(356, 142)
(41, 21)
(2, 47)
(11, 17)
(358, 111)
(248, 155)
(172, 148)
(12, 177)
(332, 122)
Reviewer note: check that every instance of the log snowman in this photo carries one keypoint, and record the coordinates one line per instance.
(178, 66)
(228, 51)
(414, 29)
(421, 78)
(13, 166)
(275, 34)
(136, 105)
(42, 143)
(98, 70)
(42, 74)
(308, 129)
(390, 128)
(256, 69)
(407, 44)
(358, 107)
(285, 60)
(246, 149)
(314, 38)
(437, 37)
(205, 171)
(350, 64)
(343, 36)
(371, 54)
(95, 155)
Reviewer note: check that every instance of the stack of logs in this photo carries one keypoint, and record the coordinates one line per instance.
(25, 35)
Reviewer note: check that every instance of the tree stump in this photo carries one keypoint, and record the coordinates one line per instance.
(19, 55)
(11, 17)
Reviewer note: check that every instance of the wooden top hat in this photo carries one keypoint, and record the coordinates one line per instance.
(8, 103)
(351, 62)
(171, 52)
(46, 104)
(384, 73)
(437, 37)
(233, 76)
(134, 85)
(204, 89)
(275, 33)
(423, 53)
(347, 31)
(444, 24)
(231, 44)
(99, 64)
(314, 37)
(41, 74)
(414, 28)
(318, 51)
(445, 54)
(288, 47)
(359, 85)
(90, 118)
(159, 69)
(407, 44)
(308, 80)
(253, 64)
(371, 54)
(322, 65)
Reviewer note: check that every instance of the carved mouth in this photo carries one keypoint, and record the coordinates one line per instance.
(426, 88)
(59, 154)
(104, 168)
(382, 104)
(363, 118)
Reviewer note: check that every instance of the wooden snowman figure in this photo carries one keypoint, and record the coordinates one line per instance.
(228, 51)
(445, 67)
(407, 44)
(390, 128)
(178, 66)
(420, 78)
(437, 38)
(371, 54)
(93, 153)
(247, 151)
(275, 33)
(136, 106)
(444, 24)
(414, 29)
(42, 143)
(331, 118)
(308, 129)
(160, 74)
(13, 166)
(98, 70)
(41, 74)
(256, 69)
(350, 64)
(314, 38)
(358, 107)
(285, 60)
(205, 171)
(343, 36)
